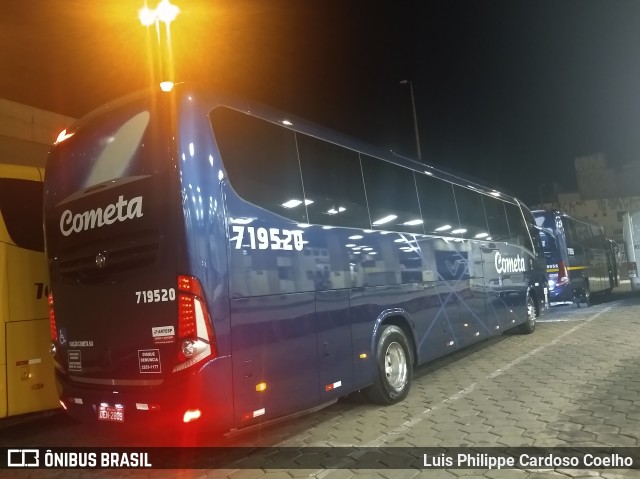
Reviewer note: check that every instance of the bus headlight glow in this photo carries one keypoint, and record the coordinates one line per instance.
(552, 284)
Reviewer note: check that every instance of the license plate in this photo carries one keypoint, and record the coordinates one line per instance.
(110, 413)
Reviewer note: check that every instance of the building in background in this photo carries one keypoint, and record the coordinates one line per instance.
(604, 195)
(27, 133)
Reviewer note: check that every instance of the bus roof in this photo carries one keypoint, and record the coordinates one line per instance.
(557, 212)
(208, 99)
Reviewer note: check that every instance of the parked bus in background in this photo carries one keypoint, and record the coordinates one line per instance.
(580, 258)
(631, 235)
(614, 259)
(218, 262)
(27, 382)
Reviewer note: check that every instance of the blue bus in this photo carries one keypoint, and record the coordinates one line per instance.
(581, 260)
(217, 262)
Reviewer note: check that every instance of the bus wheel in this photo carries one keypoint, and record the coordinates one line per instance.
(530, 325)
(394, 367)
(586, 296)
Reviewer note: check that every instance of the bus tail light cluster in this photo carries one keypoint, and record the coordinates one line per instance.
(52, 319)
(195, 331)
(563, 274)
(560, 278)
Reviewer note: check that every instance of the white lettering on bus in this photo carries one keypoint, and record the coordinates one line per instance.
(122, 210)
(509, 265)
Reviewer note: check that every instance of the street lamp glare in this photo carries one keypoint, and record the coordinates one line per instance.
(166, 11)
(147, 16)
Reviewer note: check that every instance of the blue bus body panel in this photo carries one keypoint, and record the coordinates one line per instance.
(294, 309)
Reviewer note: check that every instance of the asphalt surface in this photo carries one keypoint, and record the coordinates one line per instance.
(574, 383)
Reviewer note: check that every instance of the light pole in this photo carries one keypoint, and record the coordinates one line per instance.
(415, 116)
(165, 12)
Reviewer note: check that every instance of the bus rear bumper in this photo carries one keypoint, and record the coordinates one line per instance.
(177, 402)
(561, 294)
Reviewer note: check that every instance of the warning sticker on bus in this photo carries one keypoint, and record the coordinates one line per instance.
(149, 360)
(74, 360)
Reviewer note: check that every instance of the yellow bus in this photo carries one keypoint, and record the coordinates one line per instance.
(27, 382)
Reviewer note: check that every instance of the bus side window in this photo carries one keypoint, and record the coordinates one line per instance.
(496, 218)
(392, 196)
(570, 232)
(332, 179)
(261, 161)
(437, 204)
(21, 207)
(517, 227)
(471, 213)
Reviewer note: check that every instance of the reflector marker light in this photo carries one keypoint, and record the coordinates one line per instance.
(260, 387)
(331, 387)
(363, 356)
(254, 414)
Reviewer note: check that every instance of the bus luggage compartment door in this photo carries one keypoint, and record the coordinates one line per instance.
(30, 379)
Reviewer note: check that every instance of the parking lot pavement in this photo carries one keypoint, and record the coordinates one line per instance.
(575, 382)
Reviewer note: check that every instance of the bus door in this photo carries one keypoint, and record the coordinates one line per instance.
(463, 305)
(508, 261)
(496, 304)
(273, 331)
(583, 269)
(325, 258)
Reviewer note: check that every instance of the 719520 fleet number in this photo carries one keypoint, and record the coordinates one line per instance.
(271, 238)
(155, 295)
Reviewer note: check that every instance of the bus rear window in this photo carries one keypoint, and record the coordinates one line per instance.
(549, 244)
(21, 207)
(127, 141)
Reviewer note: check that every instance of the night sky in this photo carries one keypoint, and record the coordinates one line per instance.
(509, 91)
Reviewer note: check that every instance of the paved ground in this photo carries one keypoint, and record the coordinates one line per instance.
(574, 382)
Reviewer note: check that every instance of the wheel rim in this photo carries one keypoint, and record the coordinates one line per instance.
(395, 366)
(531, 312)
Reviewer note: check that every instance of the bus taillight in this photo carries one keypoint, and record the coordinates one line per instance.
(563, 275)
(195, 331)
(52, 319)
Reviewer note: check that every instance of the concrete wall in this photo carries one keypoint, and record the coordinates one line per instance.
(27, 133)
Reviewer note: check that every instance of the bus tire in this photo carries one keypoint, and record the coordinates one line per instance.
(586, 296)
(394, 367)
(529, 326)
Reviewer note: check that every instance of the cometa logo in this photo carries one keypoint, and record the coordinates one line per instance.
(122, 210)
(509, 264)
